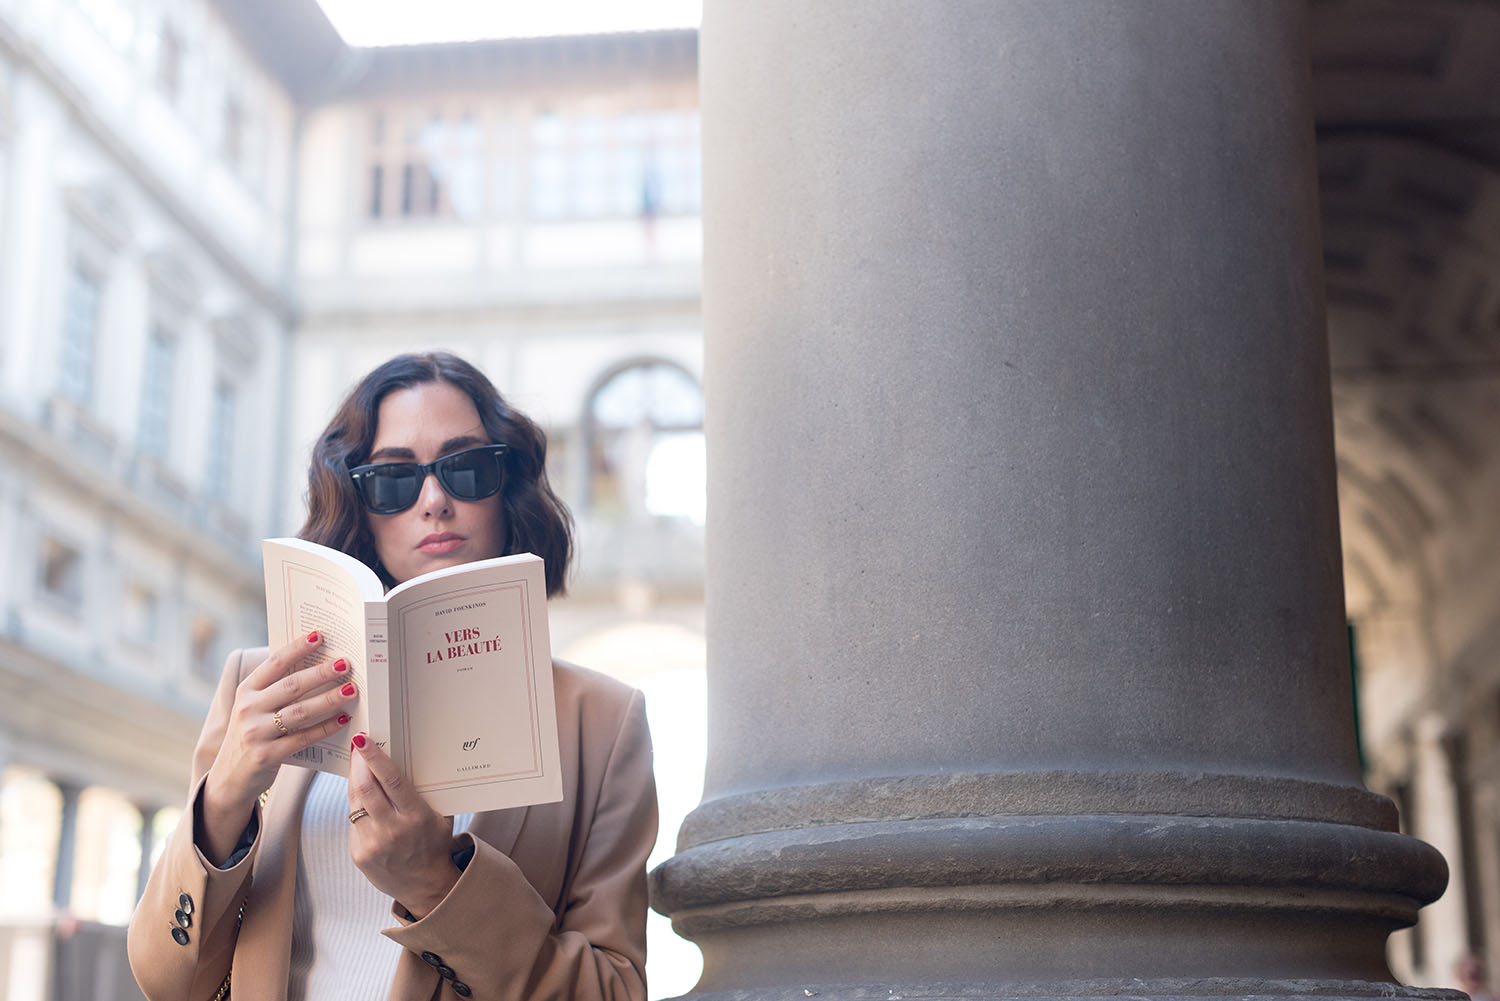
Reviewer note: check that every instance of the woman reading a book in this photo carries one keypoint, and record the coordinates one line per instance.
(323, 888)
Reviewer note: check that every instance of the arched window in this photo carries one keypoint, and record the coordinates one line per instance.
(645, 444)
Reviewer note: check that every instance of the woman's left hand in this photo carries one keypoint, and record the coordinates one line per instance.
(402, 845)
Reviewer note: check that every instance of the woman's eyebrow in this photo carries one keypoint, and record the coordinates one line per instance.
(448, 447)
(462, 441)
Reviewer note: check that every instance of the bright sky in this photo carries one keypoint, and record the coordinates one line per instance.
(401, 22)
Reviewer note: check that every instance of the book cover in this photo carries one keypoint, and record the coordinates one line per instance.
(454, 670)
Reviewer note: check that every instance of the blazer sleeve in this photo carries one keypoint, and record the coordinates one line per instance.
(182, 935)
(496, 937)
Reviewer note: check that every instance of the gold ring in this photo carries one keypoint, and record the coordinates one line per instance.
(280, 725)
(358, 815)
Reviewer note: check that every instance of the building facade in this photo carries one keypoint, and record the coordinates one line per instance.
(144, 330)
(206, 235)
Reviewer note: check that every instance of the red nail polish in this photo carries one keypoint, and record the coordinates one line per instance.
(343, 718)
(358, 741)
(347, 689)
(341, 665)
(312, 637)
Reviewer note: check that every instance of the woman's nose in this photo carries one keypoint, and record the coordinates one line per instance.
(434, 501)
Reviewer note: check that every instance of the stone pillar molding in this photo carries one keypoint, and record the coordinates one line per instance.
(1027, 658)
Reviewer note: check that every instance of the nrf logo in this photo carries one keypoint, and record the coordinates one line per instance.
(469, 745)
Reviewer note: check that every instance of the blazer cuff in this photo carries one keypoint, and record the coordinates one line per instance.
(460, 933)
(241, 848)
(183, 932)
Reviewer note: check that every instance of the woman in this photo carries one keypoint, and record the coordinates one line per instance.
(326, 889)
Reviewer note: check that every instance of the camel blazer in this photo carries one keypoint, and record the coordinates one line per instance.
(552, 905)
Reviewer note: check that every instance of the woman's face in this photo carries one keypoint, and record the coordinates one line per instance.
(420, 424)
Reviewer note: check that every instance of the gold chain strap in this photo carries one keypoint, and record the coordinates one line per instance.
(222, 994)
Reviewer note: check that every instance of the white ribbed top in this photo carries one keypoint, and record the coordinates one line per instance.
(337, 948)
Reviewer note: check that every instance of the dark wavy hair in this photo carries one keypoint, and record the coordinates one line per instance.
(536, 520)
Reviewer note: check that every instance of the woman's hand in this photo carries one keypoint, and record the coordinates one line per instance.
(403, 846)
(283, 706)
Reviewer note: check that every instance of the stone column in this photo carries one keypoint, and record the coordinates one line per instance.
(1027, 659)
(148, 822)
(67, 844)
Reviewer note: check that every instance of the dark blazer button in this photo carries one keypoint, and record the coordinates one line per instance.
(461, 989)
(432, 959)
(184, 920)
(185, 902)
(180, 936)
(446, 972)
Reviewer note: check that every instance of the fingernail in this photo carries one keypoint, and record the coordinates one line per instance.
(341, 665)
(358, 741)
(313, 636)
(343, 718)
(347, 689)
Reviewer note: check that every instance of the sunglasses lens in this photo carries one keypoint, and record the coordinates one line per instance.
(471, 475)
(391, 488)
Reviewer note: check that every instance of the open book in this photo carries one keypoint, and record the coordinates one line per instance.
(454, 670)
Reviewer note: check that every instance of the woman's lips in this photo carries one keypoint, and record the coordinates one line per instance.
(437, 545)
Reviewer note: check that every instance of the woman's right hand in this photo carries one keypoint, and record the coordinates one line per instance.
(311, 704)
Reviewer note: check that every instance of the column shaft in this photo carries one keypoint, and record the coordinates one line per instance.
(1027, 654)
(148, 818)
(67, 844)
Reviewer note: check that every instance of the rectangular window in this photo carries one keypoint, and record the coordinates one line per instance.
(204, 648)
(595, 164)
(114, 20)
(376, 157)
(377, 185)
(424, 169)
(169, 62)
(550, 189)
(80, 331)
(216, 473)
(421, 193)
(60, 574)
(460, 170)
(156, 393)
(234, 133)
(140, 613)
(681, 162)
(408, 184)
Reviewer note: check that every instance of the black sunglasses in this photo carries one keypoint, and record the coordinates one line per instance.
(470, 475)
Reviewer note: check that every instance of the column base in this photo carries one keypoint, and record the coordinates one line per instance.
(1047, 899)
(1168, 989)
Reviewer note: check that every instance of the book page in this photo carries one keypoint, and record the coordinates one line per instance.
(306, 591)
(473, 717)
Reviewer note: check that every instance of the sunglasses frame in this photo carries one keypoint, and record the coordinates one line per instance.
(359, 474)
